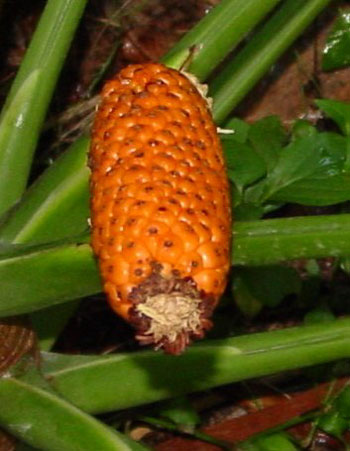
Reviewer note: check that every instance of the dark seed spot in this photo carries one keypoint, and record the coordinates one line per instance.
(137, 127)
(138, 272)
(153, 142)
(153, 230)
(186, 113)
(168, 243)
(130, 244)
(200, 144)
(142, 94)
(194, 264)
(162, 209)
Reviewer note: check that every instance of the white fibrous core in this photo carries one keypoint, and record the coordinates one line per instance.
(201, 88)
(171, 315)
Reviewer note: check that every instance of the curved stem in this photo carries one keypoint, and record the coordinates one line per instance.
(241, 74)
(208, 364)
(217, 34)
(26, 105)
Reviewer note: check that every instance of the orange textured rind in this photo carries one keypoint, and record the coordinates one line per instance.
(159, 189)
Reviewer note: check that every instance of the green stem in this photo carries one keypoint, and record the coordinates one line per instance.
(346, 167)
(126, 380)
(37, 277)
(46, 276)
(30, 94)
(56, 206)
(239, 76)
(217, 34)
(275, 240)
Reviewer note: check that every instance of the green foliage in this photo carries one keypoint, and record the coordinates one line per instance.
(267, 167)
(310, 169)
(180, 411)
(264, 286)
(273, 442)
(336, 420)
(336, 53)
(338, 111)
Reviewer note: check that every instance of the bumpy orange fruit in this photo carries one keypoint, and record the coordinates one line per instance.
(160, 206)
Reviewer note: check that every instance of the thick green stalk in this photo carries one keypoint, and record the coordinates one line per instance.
(31, 92)
(47, 422)
(36, 277)
(239, 76)
(274, 240)
(217, 34)
(56, 206)
(126, 380)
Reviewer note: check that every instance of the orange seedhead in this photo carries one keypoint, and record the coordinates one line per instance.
(160, 206)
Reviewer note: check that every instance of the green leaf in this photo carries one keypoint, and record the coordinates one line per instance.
(318, 156)
(248, 212)
(181, 412)
(336, 53)
(302, 129)
(338, 111)
(240, 129)
(244, 165)
(333, 423)
(247, 303)
(274, 442)
(48, 422)
(342, 403)
(269, 285)
(316, 191)
(267, 137)
(320, 314)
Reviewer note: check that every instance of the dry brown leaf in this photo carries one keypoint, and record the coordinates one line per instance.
(16, 339)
